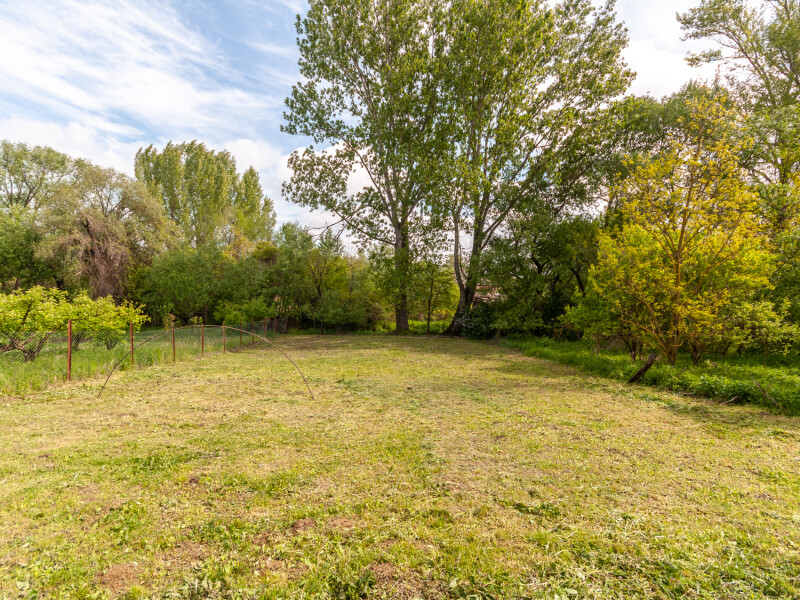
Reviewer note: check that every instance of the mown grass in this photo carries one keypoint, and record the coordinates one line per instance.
(772, 381)
(424, 468)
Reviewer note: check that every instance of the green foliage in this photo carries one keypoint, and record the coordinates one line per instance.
(100, 226)
(29, 175)
(310, 281)
(315, 282)
(254, 217)
(689, 257)
(190, 282)
(478, 323)
(46, 309)
(234, 313)
(28, 318)
(203, 194)
(521, 142)
(434, 291)
(371, 92)
(20, 265)
(757, 46)
(351, 589)
(72, 224)
(539, 268)
(265, 253)
(37, 309)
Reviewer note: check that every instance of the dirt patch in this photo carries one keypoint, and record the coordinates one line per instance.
(411, 585)
(263, 538)
(386, 544)
(385, 574)
(118, 578)
(340, 524)
(193, 551)
(405, 585)
(302, 525)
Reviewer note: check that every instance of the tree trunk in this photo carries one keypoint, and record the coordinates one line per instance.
(401, 316)
(467, 287)
(466, 297)
(430, 310)
(696, 352)
(651, 360)
(401, 264)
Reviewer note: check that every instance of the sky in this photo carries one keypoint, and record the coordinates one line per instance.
(98, 79)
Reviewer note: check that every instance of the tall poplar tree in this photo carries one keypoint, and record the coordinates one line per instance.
(372, 96)
(202, 192)
(527, 81)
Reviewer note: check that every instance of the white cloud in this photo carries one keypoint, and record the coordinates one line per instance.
(80, 140)
(119, 61)
(660, 72)
(268, 160)
(100, 78)
(270, 48)
(295, 6)
(656, 51)
(273, 169)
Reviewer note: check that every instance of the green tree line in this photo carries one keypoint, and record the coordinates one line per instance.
(512, 186)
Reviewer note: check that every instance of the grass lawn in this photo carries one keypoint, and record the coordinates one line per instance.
(732, 378)
(424, 468)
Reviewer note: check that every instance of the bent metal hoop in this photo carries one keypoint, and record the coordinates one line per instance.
(172, 330)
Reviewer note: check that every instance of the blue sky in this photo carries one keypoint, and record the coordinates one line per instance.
(101, 78)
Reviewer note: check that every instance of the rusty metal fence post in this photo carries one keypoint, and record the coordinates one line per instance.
(223, 337)
(131, 330)
(69, 350)
(173, 342)
(202, 339)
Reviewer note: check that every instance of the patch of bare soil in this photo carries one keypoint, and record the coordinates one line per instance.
(118, 578)
(340, 524)
(385, 574)
(403, 585)
(263, 538)
(323, 486)
(302, 525)
(89, 493)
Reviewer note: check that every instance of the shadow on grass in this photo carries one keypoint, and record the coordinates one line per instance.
(707, 411)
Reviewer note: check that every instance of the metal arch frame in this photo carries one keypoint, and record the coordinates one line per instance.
(168, 331)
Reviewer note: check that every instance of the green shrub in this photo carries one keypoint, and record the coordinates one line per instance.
(478, 323)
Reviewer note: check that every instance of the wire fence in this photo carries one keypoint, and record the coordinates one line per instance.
(33, 360)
